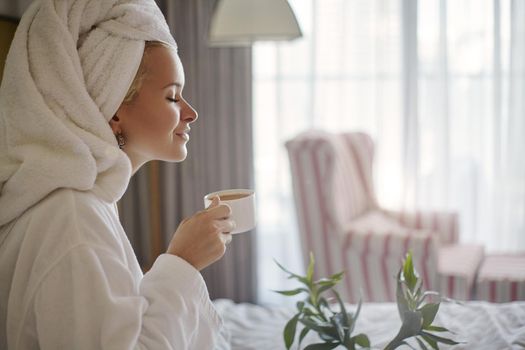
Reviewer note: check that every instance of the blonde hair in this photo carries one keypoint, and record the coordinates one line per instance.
(142, 71)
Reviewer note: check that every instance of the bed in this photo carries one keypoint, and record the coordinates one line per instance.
(478, 324)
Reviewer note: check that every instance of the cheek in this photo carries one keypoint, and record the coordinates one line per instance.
(157, 121)
(166, 119)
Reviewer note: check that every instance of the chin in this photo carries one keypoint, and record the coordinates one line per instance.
(176, 157)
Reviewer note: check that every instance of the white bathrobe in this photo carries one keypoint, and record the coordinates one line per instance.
(70, 280)
(68, 276)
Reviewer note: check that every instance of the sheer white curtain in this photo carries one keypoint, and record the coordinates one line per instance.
(440, 86)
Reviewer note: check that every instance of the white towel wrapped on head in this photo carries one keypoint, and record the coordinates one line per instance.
(69, 67)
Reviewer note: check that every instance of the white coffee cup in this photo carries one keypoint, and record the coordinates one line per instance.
(242, 204)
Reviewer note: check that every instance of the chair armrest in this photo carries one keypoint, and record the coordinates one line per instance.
(446, 224)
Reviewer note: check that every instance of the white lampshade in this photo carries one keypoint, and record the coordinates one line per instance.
(241, 22)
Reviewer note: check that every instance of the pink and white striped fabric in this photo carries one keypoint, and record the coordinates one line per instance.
(342, 224)
(373, 260)
(457, 269)
(502, 278)
(444, 223)
(328, 191)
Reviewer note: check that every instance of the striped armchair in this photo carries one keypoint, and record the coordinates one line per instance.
(341, 222)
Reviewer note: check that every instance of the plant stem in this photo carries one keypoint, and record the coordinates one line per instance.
(394, 344)
(315, 302)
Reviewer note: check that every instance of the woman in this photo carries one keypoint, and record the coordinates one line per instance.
(92, 90)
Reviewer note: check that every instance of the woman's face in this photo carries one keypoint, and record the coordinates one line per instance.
(156, 123)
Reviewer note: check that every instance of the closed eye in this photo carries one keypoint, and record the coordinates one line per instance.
(174, 100)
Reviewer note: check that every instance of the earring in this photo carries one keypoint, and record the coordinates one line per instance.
(120, 139)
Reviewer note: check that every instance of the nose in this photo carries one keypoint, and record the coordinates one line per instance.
(190, 114)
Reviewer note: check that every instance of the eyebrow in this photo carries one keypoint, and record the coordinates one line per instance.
(177, 84)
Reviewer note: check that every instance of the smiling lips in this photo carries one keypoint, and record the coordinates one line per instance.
(184, 134)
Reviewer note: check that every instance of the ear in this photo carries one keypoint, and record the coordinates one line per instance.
(114, 123)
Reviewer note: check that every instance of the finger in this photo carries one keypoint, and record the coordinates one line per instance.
(226, 238)
(214, 202)
(226, 225)
(221, 211)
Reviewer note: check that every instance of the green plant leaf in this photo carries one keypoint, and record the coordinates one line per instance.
(337, 276)
(362, 340)
(323, 283)
(310, 270)
(342, 306)
(349, 344)
(322, 346)
(301, 279)
(285, 270)
(402, 303)
(325, 287)
(421, 344)
(328, 338)
(409, 273)
(308, 311)
(320, 327)
(358, 310)
(293, 275)
(313, 323)
(407, 344)
(289, 331)
(291, 292)
(429, 312)
(351, 322)
(337, 322)
(417, 294)
(411, 324)
(303, 334)
(431, 342)
(300, 306)
(424, 295)
(347, 321)
(323, 302)
(323, 280)
(439, 339)
(436, 329)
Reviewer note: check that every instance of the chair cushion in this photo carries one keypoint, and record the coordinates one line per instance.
(378, 233)
(377, 222)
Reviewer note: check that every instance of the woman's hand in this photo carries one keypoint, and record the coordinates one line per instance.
(201, 239)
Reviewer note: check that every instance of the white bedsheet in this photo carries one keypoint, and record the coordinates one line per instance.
(479, 325)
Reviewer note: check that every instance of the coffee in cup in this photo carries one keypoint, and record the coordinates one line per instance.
(242, 204)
